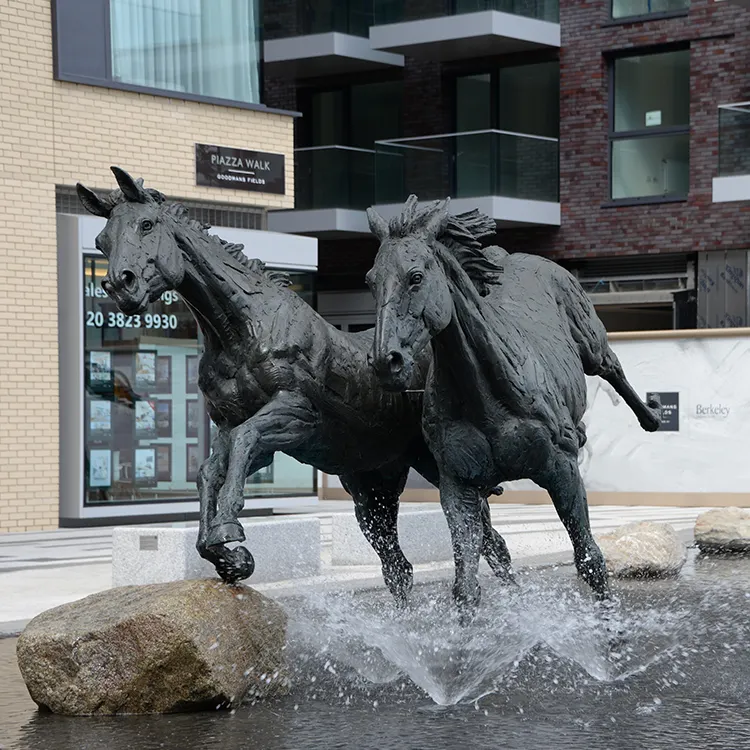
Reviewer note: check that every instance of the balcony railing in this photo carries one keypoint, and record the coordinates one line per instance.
(467, 165)
(334, 177)
(734, 139)
(396, 11)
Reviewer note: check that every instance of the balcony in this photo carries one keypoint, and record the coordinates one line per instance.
(733, 182)
(455, 29)
(324, 39)
(511, 177)
(333, 187)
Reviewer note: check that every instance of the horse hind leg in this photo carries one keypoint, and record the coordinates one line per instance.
(376, 500)
(565, 486)
(648, 413)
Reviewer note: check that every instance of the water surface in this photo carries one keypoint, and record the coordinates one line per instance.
(535, 671)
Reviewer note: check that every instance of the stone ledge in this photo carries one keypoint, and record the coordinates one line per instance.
(283, 550)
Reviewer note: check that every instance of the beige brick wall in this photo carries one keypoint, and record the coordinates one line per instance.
(54, 133)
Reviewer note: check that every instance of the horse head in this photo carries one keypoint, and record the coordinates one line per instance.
(139, 241)
(424, 254)
(412, 296)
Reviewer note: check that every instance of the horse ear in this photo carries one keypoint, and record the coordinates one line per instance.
(91, 201)
(437, 219)
(378, 225)
(131, 189)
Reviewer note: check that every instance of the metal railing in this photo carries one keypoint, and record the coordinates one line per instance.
(734, 139)
(467, 165)
(396, 11)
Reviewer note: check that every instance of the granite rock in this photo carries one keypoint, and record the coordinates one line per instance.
(643, 550)
(160, 648)
(723, 530)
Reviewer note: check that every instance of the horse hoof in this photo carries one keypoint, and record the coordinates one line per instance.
(224, 533)
(235, 565)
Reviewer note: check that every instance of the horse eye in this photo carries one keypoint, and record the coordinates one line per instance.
(416, 278)
(147, 225)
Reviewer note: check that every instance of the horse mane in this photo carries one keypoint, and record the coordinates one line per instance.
(460, 235)
(180, 214)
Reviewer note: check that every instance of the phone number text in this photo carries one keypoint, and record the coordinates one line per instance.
(98, 319)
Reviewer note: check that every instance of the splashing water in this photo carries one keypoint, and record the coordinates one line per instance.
(551, 621)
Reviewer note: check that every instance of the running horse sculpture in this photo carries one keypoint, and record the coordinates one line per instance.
(512, 337)
(275, 376)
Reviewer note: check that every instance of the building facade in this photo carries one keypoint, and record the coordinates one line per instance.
(100, 418)
(589, 130)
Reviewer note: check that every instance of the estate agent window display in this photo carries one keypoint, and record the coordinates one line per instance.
(146, 429)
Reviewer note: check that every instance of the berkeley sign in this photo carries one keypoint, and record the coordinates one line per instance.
(239, 169)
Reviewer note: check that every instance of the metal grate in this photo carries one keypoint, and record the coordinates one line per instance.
(630, 266)
(215, 214)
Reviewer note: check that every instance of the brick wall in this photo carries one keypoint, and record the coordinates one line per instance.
(56, 134)
(719, 37)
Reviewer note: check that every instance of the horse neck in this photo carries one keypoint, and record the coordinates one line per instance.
(478, 347)
(213, 289)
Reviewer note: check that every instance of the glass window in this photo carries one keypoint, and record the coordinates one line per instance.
(650, 167)
(652, 91)
(650, 130)
(206, 47)
(146, 428)
(626, 8)
(528, 99)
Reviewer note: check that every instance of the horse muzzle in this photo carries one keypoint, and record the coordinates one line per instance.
(393, 370)
(129, 294)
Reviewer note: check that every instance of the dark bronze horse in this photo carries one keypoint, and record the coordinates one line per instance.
(275, 376)
(512, 337)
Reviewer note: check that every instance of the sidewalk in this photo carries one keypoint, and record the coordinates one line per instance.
(40, 570)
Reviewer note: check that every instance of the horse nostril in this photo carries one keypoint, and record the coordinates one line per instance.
(128, 278)
(395, 362)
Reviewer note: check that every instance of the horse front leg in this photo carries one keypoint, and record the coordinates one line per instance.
(231, 565)
(281, 425)
(376, 499)
(494, 549)
(462, 506)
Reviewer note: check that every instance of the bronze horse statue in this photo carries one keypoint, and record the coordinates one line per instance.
(512, 336)
(275, 376)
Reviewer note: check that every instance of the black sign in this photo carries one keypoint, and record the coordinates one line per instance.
(670, 410)
(238, 169)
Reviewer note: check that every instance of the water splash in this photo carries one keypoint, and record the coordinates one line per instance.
(545, 622)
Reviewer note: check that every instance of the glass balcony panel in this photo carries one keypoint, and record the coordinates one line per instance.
(345, 16)
(467, 165)
(734, 139)
(396, 11)
(333, 177)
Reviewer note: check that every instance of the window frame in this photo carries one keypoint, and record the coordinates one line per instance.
(641, 17)
(652, 132)
(63, 11)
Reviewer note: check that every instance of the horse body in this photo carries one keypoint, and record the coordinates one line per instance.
(512, 340)
(275, 376)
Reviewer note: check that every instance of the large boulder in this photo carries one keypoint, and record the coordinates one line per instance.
(643, 550)
(723, 530)
(160, 648)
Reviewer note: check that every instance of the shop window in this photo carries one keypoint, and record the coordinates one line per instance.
(634, 8)
(145, 423)
(649, 126)
(204, 49)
